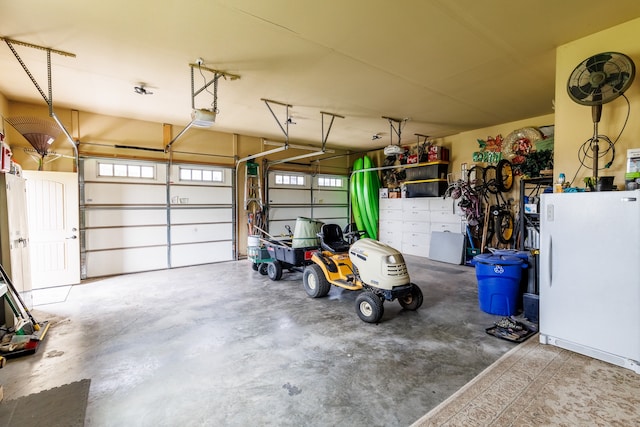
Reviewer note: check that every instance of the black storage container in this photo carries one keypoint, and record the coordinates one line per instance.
(426, 188)
(437, 170)
(293, 256)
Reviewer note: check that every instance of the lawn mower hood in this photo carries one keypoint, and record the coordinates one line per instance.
(379, 265)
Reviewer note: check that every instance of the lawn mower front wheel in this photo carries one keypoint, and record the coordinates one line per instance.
(369, 307)
(413, 300)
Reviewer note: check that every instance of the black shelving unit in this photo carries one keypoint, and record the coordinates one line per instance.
(531, 222)
(530, 187)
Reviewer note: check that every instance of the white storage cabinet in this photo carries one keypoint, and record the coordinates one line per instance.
(406, 224)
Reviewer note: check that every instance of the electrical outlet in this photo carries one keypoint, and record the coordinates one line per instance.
(200, 61)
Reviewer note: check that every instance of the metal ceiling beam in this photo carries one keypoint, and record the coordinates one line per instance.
(326, 136)
(397, 131)
(47, 98)
(285, 129)
(262, 154)
(323, 150)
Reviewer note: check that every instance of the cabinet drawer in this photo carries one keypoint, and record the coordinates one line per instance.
(446, 226)
(440, 204)
(390, 238)
(416, 227)
(390, 226)
(390, 204)
(388, 214)
(415, 204)
(416, 216)
(417, 248)
(412, 236)
(445, 216)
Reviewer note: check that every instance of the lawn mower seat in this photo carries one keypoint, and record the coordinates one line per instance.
(332, 240)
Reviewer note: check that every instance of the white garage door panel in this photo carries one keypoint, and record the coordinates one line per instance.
(330, 197)
(105, 263)
(124, 217)
(200, 195)
(342, 222)
(277, 213)
(105, 193)
(327, 204)
(190, 216)
(125, 237)
(201, 253)
(328, 212)
(277, 228)
(200, 233)
(289, 196)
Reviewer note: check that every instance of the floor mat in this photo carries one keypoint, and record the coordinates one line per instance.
(60, 406)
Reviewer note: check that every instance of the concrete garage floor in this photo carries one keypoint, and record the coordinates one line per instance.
(221, 345)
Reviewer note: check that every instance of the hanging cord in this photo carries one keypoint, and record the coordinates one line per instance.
(584, 149)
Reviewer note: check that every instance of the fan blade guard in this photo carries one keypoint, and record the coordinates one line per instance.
(601, 78)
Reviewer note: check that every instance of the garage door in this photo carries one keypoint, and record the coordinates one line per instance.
(291, 195)
(133, 220)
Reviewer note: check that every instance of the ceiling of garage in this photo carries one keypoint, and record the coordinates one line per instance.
(447, 66)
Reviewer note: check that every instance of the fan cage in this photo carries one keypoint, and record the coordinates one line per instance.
(601, 78)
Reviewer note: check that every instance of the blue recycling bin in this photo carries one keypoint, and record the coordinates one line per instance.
(499, 282)
(528, 280)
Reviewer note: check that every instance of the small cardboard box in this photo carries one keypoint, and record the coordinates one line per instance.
(384, 193)
(530, 208)
(437, 153)
(633, 156)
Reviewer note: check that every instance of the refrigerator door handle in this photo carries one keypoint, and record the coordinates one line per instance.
(629, 199)
(550, 259)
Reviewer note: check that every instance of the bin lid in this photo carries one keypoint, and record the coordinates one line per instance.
(493, 259)
(511, 252)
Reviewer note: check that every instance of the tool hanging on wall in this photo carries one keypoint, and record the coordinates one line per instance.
(253, 203)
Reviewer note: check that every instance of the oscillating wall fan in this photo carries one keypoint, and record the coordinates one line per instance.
(596, 81)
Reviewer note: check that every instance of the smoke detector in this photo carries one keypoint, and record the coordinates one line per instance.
(203, 117)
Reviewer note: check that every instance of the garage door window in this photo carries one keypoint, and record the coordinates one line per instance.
(201, 175)
(332, 182)
(289, 179)
(124, 170)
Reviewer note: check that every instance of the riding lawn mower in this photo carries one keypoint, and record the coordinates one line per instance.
(378, 270)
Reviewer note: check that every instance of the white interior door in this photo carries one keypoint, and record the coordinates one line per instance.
(52, 208)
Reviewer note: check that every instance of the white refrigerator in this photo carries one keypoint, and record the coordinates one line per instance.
(590, 274)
